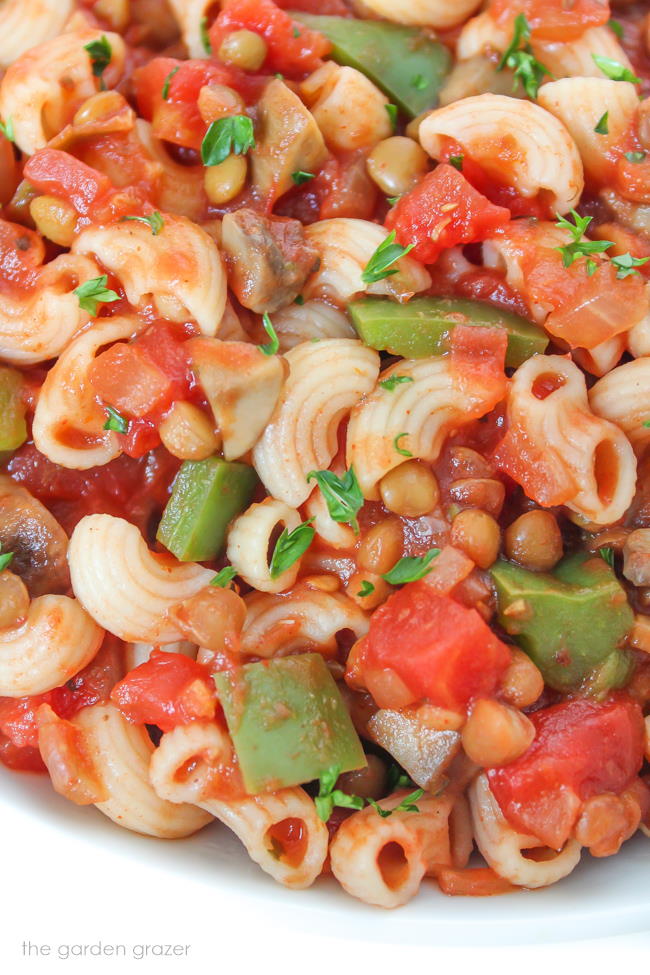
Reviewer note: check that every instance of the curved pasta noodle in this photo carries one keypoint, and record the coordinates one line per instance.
(415, 416)
(69, 423)
(179, 270)
(345, 246)
(304, 619)
(42, 90)
(201, 747)
(542, 158)
(39, 326)
(424, 13)
(121, 752)
(249, 541)
(587, 459)
(56, 640)
(26, 23)
(502, 846)
(181, 187)
(138, 653)
(481, 35)
(574, 59)
(332, 532)
(190, 16)
(601, 358)
(349, 110)
(579, 103)
(638, 338)
(123, 585)
(623, 397)
(325, 381)
(313, 321)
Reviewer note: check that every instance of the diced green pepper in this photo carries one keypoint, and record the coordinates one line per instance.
(420, 328)
(571, 622)
(288, 722)
(13, 429)
(404, 62)
(206, 496)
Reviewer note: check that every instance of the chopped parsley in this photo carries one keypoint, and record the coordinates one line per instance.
(635, 157)
(224, 577)
(367, 589)
(614, 69)
(100, 53)
(7, 129)
(92, 293)
(394, 381)
(379, 265)
(116, 421)
(154, 221)
(205, 37)
(392, 115)
(5, 559)
(578, 247)
(342, 495)
(401, 450)
(419, 82)
(301, 177)
(411, 568)
(328, 797)
(626, 265)
(167, 82)
(602, 125)
(457, 162)
(233, 134)
(607, 555)
(519, 57)
(289, 547)
(272, 347)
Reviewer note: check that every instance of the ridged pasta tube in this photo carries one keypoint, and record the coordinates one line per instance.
(121, 753)
(573, 59)
(56, 640)
(315, 320)
(325, 381)
(256, 820)
(345, 246)
(304, 619)
(68, 425)
(515, 142)
(623, 396)
(502, 846)
(424, 13)
(349, 110)
(38, 326)
(26, 23)
(415, 417)
(190, 16)
(123, 585)
(249, 540)
(181, 187)
(179, 270)
(42, 90)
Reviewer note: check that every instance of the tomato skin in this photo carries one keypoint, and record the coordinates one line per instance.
(167, 690)
(442, 651)
(582, 748)
(126, 379)
(59, 174)
(553, 20)
(18, 759)
(293, 49)
(443, 210)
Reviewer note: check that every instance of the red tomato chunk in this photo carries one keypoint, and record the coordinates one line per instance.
(582, 748)
(553, 20)
(442, 651)
(168, 690)
(441, 211)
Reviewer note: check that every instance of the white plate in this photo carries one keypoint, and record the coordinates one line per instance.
(601, 897)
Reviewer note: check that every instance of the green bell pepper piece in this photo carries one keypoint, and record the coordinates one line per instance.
(420, 328)
(206, 496)
(571, 622)
(288, 722)
(404, 62)
(13, 429)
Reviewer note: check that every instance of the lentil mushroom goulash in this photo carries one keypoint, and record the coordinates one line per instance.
(324, 428)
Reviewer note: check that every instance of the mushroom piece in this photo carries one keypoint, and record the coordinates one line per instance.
(423, 752)
(636, 557)
(38, 542)
(268, 258)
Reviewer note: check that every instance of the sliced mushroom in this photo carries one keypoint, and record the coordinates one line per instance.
(36, 539)
(268, 258)
(636, 557)
(242, 386)
(422, 751)
(288, 140)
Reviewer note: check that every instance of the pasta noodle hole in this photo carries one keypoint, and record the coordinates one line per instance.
(606, 471)
(287, 840)
(547, 383)
(393, 865)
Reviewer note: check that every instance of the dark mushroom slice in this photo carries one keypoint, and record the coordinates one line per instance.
(38, 542)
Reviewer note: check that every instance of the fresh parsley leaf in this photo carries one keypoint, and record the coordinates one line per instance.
(7, 129)
(392, 200)
(392, 115)
(367, 589)
(626, 265)
(397, 778)
(457, 162)
(379, 265)
(272, 347)
(301, 177)
(602, 125)
(116, 421)
(92, 293)
(224, 577)
(411, 568)
(100, 53)
(406, 805)
(616, 27)
(394, 381)
(342, 495)
(5, 559)
(328, 796)
(519, 57)
(647, 423)
(154, 221)
(289, 547)
(635, 157)
(167, 82)
(419, 82)
(205, 37)
(614, 69)
(578, 247)
(401, 450)
(296, 32)
(233, 134)
(607, 555)
(299, 300)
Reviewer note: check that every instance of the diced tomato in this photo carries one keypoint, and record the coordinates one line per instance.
(553, 20)
(26, 759)
(441, 651)
(18, 719)
(478, 360)
(72, 770)
(443, 210)
(335, 8)
(126, 379)
(164, 344)
(167, 690)
(581, 749)
(293, 49)
(21, 256)
(61, 175)
(8, 170)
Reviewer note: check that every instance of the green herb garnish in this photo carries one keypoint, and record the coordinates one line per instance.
(379, 265)
(342, 495)
(233, 134)
(367, 589)
(289, 547)
(411, 568)
(401, 450)
(92, 293)
(626, 265)
(224, 577)
(116, 421)
(154, 221)
(394, 381)
(614, 69)
(168, 79)
(578, 247)
(602, 125)
(100, 53)
(519, 57)
(301, 177)
(272, 347)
